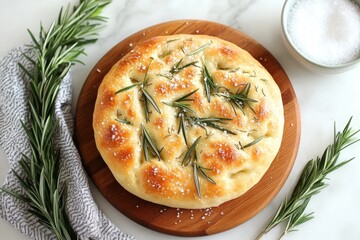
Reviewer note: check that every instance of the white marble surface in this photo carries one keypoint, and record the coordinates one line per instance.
(323, 99)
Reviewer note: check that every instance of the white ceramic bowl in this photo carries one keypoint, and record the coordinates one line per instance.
(305, 61)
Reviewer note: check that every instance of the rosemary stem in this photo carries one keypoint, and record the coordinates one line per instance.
(282, 235)
(262, 233)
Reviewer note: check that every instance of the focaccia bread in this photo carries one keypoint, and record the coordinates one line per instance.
(188, 121)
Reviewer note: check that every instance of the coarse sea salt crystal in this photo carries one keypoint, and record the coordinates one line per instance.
(327, 32)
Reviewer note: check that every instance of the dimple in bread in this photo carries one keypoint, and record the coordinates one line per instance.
(188, 121)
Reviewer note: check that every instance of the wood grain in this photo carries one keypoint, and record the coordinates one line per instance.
(185, 222)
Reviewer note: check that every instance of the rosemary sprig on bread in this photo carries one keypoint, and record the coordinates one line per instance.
(147, 98)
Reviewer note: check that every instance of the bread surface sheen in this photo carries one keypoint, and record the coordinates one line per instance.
(227, 161)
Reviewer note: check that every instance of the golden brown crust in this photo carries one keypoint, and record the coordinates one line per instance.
(235, 162)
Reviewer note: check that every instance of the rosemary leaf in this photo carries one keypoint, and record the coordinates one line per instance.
(209, 83)
(124, 121)
(311, 182)
(145, 148)
(201, 48)
(165, 76)
(212, 123)
(252, 143)
(234, 70)
(182, 127)
(188, 65)
(173, 40)
(147, 71)
(197, 180)
(185, 97)
(188, 155)
(264, 80)
(177, 68)
(127, 88)
(146, 110)
(149, 143)
(184, 108)
(202, 173)
(151, 100)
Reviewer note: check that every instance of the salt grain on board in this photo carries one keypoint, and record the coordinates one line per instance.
(327, 32)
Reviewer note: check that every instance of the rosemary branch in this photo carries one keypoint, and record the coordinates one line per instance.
(198, 170)
(177, 68)
(146, 95)
(183, 114)
(240, 99)
(183, 109)
(311, 182)
(56, 49)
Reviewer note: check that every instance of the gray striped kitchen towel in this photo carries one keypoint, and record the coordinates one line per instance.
(87, 220)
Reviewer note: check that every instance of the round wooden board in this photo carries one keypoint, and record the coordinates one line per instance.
(185, 222)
